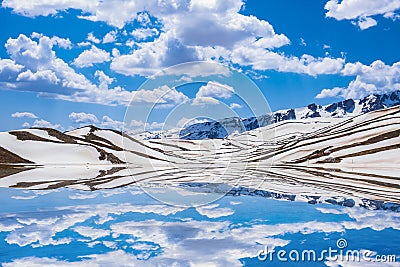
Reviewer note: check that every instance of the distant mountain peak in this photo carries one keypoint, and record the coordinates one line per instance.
(340, 109)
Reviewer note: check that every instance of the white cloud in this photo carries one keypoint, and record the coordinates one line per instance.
(26, 125)
(143, 18)
(94, 55)
(104, 79)
(61, 42)
(160, 95)
(187, 31)
(40, 70)
(215, 89)
(365, 23)
(107, 122)
(91, 232)
(261, 59)
(93, 38)
(9, 69)
(235, 106)
(185, 122)
(361, 11)
(45, 124)
(377, 78)
(83, 117)
(200, 69)
(83, 196)
(212, 211)
(29, 115)
(325, 93)
(151, 57)
(391, 15)
(115, 52)
(40, 75)
(41, 63)
(198, 101)
(146, 125)
(83, 44)
(110, 37)
(144, 33)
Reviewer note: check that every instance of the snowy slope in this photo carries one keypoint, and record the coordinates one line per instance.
(353, 157)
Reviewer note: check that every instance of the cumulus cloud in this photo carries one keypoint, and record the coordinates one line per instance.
(107, 122)
(185, 122)
(160, 95)
(104, 79)
(194, 34)
(29, 115)
(94, 55)
(325, 93)
(261, 59)
(82, 117)
(40, 75)
(235, 106)
(198, 101)
(146, 125)
(93, 38)
(144, 33)
(186, 31)
(9, 69)
(360, 12)
(91, 232)
(110, 37)
(208, 93)
(215, 89)
(34, 66)
(214, 211)
(40, 123)
(151, 57)
(191, 30)
(365, 23)
(41, 64)
(377, 78)
(26, 125)
(83, 44)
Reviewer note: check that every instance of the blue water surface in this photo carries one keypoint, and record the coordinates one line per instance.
(126, 227)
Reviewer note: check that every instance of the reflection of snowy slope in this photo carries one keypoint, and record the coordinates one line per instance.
(356, 156)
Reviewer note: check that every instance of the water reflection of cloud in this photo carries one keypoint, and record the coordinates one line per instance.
(138, 233)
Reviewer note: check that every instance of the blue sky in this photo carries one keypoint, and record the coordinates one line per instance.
(64, 64)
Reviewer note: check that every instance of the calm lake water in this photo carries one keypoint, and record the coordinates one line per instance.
(127, 227)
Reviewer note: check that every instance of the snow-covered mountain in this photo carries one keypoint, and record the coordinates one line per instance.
(223, 128)
(350, 157)
(345, 108)
(228, 126)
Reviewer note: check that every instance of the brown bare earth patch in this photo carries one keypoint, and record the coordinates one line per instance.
(27, 136)
(7, 170)
(59, 135)
(9, 157)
